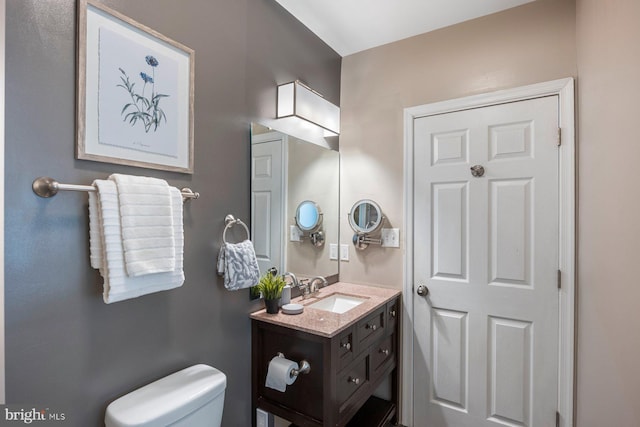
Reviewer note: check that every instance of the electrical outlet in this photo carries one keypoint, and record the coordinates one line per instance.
(390, 238)
(295, 234)
(344, 252)
(264, 418)
(333, 251)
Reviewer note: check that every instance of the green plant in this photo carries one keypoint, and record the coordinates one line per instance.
(270, 286)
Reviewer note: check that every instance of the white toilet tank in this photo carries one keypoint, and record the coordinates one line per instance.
(193, 397)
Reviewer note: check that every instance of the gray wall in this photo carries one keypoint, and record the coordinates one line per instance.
(65, 348)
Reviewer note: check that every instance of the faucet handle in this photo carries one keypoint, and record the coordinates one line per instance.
(303, 285)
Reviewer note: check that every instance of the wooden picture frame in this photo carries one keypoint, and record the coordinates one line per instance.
(135, 93)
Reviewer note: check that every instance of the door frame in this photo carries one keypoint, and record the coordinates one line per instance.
(564, 88)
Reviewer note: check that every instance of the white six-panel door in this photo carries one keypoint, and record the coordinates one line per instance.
(486, 248)
(267, 200)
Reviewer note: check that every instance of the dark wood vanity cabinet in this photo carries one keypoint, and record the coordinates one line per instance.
(345, 371)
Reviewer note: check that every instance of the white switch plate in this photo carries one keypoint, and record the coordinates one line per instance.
(344, 252)
(390, 238)
(295, 233)
(264, 418)
(333, 251)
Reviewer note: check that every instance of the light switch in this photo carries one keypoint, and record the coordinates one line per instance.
(264, 418)
(295, 233)
(333, 251)
(344, 252)
(390, 238)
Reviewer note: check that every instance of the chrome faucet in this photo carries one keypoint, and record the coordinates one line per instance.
(294, 279)
(313, 289)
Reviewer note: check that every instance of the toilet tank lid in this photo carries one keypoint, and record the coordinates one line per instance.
(168, 399)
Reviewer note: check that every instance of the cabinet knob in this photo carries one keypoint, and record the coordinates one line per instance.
(346, 345)
(392, 313)
(385, 351)
(372, 327)
(355, 381)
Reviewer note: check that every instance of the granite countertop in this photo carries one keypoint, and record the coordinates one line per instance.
(326, 323)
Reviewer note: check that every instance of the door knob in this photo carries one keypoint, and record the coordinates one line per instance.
(423, 291)
(477, 171)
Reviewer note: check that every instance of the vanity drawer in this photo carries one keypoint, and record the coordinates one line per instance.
(345, 343)
(382, 352)
(352, 379)
(371, 328)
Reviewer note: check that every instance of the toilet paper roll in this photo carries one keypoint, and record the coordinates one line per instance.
(279, 373)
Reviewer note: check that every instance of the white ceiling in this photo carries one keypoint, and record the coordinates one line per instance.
(350, 26)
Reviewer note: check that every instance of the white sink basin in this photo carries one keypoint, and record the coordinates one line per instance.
(338, 303)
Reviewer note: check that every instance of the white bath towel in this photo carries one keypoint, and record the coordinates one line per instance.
(106, 247)
(239, 265)
(147, 224)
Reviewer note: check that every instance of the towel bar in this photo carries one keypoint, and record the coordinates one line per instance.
(49, 187)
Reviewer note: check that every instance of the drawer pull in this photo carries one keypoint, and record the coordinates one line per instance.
(355, 381)
(385, 351)
(392, 313)
(346, 345)
(372, 327)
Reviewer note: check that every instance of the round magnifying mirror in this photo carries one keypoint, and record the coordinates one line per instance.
(365, 216)
(308, 216)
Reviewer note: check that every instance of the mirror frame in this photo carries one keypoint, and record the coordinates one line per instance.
(377, 224)
(318, 222)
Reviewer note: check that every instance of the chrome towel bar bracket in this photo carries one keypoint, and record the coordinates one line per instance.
(230, 221)
(49, 187)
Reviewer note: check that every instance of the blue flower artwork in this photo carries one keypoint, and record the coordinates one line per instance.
(139, 96)
(142, 109)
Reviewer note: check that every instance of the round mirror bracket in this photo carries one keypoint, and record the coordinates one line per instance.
(317, 238)
(362, 241)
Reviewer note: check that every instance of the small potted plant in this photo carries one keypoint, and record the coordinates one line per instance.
(270, 286)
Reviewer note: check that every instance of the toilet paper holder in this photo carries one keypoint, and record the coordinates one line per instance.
(303, 367)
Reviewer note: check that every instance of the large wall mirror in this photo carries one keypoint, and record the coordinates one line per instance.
(294, 204)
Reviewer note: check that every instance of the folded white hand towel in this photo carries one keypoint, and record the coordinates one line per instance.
(239, 265)
(146, 219)
(107, 252)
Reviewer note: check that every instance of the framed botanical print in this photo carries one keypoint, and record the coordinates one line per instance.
(135, 93)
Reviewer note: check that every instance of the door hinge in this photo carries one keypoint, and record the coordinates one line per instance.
(559, 279)
(559, 137)
(557, 419)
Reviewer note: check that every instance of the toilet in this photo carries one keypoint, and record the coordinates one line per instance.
(192, 397)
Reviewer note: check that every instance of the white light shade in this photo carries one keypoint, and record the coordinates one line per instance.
(295, 100)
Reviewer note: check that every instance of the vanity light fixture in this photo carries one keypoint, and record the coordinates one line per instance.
(298, 102)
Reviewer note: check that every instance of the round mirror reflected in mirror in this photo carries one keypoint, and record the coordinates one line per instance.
(365, 216)
(308, 216)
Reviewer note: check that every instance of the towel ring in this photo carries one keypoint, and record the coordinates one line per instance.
(231, 221)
